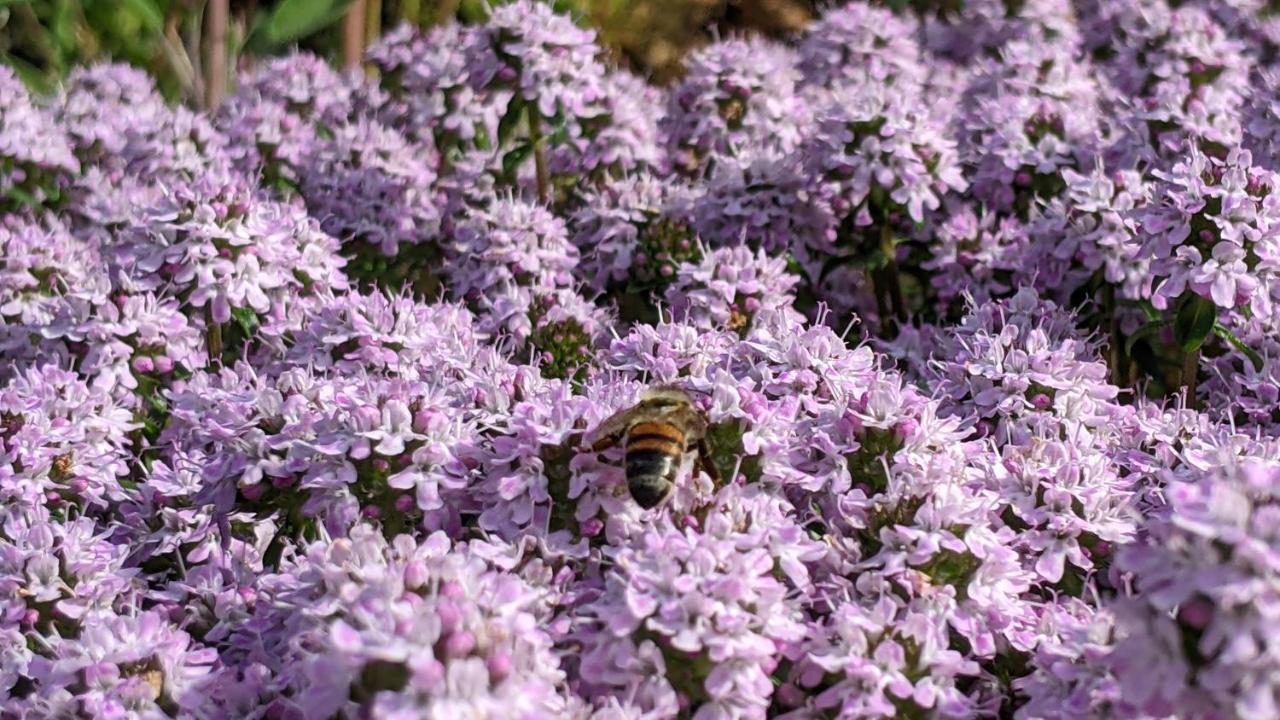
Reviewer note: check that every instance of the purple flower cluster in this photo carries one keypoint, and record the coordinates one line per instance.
(1207, 218)
(36, 154)
(1198, 636)
(978, 304)
(737, 95)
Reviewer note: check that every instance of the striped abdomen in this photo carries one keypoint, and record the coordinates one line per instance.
(654, 451)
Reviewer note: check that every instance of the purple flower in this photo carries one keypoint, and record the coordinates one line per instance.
(64, 442)
(869, 142)
(543, 57)
(1206, 214)
(370, 185)
(1068, 680)
(36, 152)
(140, 661)
(51, 284)
(1178, 74)
(729, 287)
(986, 27)
(427, 77)
(305, 85)
(226, 250)
(737, 95)
(1028, 117)
(860, 44)
(405, 625)
(1087, 230)
(103, 106)
(631, 230)
(504, 256)
(976, 256)
(763, 200)
(710, 607)
(1197, 634)
(298, 397)
(622, 139)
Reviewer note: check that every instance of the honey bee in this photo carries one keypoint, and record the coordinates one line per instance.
(656, 433)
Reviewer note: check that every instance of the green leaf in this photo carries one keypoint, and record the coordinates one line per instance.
(471, 12)
(1146, 330)
(559, 134)
(512, 161)
(22, 197)
(1149, 310)
(147, 13)
(1194, 322)
(246, 318)
(510, 121)
(1223, 332)
(158, 403)
(62, 26)
(294, 19)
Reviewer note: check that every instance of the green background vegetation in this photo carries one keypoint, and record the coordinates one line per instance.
(173, 39)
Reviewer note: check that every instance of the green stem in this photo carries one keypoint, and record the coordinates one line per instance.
(893, 285)
(539, 152)
(876, 277)
(411, 11)
(1190, 370)
(214, 338)
(1116, 354)
(372, 22)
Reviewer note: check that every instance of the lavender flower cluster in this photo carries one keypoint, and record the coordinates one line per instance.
(979, 305)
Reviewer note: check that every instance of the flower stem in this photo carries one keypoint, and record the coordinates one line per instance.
(214, 337)
(411, 11)
(372, 25)
(877, 288)
(539, 152)
(1190, 369)
(1115, 354)
(892, 286)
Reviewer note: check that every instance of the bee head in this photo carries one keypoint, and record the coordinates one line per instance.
(666, 395)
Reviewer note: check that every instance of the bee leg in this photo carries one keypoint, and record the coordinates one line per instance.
(707, 463)
(605, 442)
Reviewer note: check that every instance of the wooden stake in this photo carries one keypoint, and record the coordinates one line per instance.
(353, 35)
(215, 52)
(372, 21)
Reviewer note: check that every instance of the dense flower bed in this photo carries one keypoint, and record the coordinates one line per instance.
(980, 307)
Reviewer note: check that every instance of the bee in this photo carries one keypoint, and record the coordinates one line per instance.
(656, 432)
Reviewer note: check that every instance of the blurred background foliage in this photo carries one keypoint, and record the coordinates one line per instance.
(193, 47)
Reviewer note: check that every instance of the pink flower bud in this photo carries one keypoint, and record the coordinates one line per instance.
(1196, 613)
(452, 590)
(499, 665)
(460, 644)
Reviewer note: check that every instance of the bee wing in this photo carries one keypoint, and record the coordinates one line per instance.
(609, 429)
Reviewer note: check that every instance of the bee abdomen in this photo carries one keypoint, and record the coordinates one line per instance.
(653, 459)
(650, 476)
